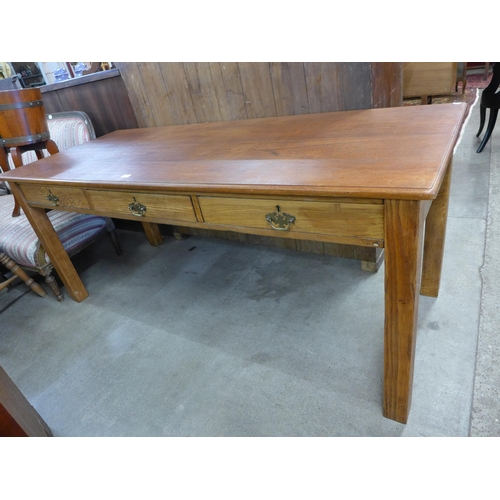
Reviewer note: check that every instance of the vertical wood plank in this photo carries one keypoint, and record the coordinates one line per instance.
(355, 86)
(68, 99)
(122, 111)
(97, 100)
(105, 101)
(404, 223)
(179, 96)
(138, 94)
(323, 84)
(290, 91)
(51, 103)
(257, 89)
(159, 104)
(203, 94)
(387, 84)
(227, 82)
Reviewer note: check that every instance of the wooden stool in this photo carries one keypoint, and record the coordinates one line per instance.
(23, 127)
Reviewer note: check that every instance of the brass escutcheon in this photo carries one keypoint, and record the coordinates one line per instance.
(280, 220)
(137, 209)
(52, 199)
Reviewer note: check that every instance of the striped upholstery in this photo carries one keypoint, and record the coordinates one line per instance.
(17, 238)
(66, 130)
(21, 244)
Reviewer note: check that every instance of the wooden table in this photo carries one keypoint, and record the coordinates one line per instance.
(377, 177)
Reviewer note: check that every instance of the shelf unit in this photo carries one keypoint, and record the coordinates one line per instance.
(31, 77)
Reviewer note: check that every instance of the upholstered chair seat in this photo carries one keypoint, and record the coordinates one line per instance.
(19, 241)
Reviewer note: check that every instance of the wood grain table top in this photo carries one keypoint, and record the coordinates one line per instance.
(378, 153)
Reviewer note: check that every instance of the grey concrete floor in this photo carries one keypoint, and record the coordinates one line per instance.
(208, 337)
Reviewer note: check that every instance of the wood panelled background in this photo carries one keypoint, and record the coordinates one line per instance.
(102, 96)
(175, 93)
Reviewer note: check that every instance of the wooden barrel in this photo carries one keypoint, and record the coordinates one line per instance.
(22, 118)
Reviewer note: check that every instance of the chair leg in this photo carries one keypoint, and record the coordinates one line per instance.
(116, 242)
(110, 226)
(17, 271)
(482, 115)
(51, 147)
(489, 130)
(52, 283)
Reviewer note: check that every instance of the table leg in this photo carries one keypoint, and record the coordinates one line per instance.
(404, 223)
(435, 233)
(53, 246)
(153, 234)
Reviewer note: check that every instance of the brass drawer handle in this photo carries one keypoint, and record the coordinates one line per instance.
(280, 220)
(53, 199)
(137, 209)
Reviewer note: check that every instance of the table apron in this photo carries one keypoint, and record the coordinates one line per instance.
(346, 221)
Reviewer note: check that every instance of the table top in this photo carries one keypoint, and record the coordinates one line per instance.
(398, 153)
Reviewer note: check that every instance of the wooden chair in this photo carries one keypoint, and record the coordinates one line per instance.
(17, 272)
(23, 127)
(76, 231)
(489, 99)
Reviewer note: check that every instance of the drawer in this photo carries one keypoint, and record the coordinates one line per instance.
(55, 196)
(155, 206)
(357, 220)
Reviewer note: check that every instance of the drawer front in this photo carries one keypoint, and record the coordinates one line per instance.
(143, 205)
(358, 220)
(55, 196)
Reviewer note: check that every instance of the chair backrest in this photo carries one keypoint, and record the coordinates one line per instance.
(67, 129)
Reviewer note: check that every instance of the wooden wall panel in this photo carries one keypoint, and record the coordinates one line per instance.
(290, 89)
(215, 91)
(203, 92)
(137, 93)
(229, 92)
(179, 96)
(387, 84)
(321, 80)
(153, 95)
(355, 86)
(257, 89)
(102, 96)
